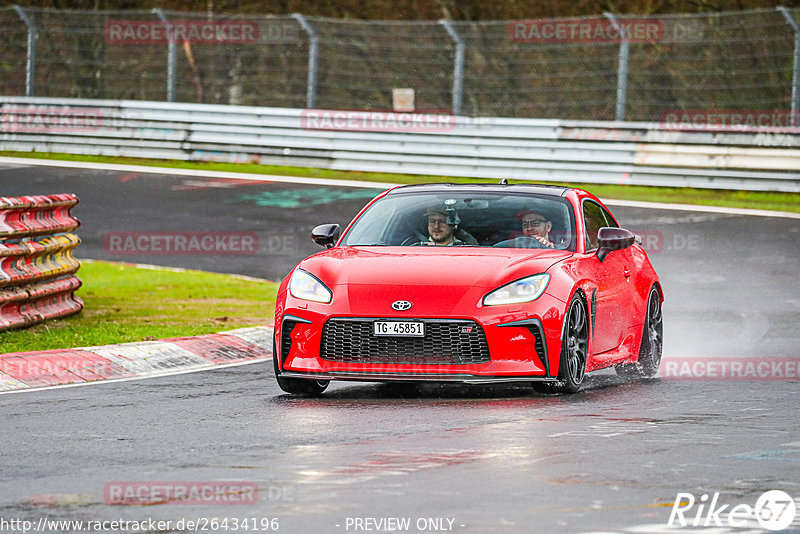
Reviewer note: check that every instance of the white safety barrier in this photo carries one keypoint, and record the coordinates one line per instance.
(414, 143)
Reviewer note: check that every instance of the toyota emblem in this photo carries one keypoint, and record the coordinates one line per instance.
(401, 305)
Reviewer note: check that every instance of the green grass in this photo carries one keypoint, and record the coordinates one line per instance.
(709, 197)
(124, 303)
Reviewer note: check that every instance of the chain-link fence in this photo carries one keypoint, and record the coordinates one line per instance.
(602, 68)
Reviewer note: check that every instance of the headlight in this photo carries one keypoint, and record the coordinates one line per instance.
(524, 290)
(307, 287)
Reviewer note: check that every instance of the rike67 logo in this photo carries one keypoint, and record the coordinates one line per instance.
(774, 510)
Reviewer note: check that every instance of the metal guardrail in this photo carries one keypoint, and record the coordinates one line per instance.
(37, 270)
(527, 149)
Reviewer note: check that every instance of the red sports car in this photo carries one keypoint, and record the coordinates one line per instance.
(470, 283)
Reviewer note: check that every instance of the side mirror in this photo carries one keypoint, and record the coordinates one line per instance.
(613, 239)
(325, 235)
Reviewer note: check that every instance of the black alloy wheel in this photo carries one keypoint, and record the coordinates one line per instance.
(651, 348)
(652, 336)
(574, 347)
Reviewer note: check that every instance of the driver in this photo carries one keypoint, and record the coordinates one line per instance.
(439, 232)
(537, 226)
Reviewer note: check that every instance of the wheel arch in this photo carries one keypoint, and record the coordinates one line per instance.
(587, 290)
(581, 289)
(642, 320)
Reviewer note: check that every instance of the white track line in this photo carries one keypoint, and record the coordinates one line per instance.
(151, 267)
(707, 209)
(354, 183)
(194, 172)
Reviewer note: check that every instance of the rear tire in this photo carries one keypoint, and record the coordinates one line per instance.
(574, 347)
(297, 386)
(652, 345)
(652, 336)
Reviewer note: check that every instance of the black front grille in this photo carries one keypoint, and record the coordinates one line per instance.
(445, 342)
(286, 338)
(541, 349)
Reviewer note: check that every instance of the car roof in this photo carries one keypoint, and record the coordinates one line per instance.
(537, 189)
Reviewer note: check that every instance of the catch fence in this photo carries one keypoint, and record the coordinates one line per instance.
(607, 67)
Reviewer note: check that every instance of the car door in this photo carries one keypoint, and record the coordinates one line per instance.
(610, 303)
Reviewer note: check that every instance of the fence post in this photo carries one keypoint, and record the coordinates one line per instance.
(171, 54)
(622, 71)
(458, 66)
(313, 50)
(795, 64)
(30, 66)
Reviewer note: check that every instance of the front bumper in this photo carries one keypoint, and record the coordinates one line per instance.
(523, 345)
(411, 377)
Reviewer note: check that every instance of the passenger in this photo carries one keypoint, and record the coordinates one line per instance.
(537, 226)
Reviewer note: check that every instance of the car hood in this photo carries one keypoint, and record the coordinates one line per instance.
(444, 277)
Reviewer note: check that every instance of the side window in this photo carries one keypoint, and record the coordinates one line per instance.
(595, 217)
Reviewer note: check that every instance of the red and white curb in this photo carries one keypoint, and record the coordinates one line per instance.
(26, 371)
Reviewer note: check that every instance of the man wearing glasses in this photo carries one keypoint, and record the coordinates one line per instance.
(439, 231)
(537, 226)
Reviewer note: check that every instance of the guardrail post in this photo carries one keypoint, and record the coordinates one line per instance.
(313, 50)
(458, 66)
(30, 66)
(622, 70)
(795, 64)
(171, 54)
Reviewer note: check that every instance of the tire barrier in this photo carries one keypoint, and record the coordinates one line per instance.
(37, 270)
(37, 215)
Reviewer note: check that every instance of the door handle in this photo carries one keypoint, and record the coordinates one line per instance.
(626, 272)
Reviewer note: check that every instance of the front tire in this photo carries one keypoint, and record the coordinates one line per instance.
(574, 347)
(297, 386)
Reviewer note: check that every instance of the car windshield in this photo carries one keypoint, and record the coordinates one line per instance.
(482, 219)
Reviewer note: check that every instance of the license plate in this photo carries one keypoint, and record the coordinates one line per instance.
(399, 328)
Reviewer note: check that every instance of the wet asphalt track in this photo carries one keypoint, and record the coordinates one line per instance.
(611, 458)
